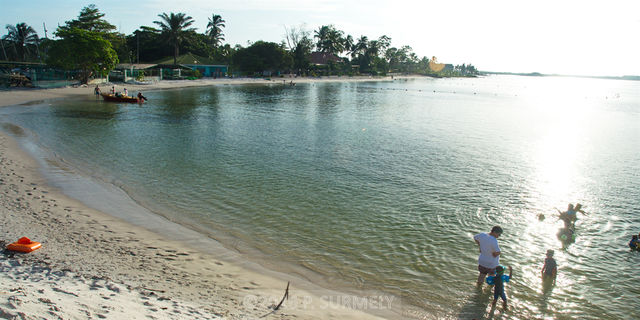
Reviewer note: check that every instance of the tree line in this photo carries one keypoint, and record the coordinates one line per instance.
(96, 48)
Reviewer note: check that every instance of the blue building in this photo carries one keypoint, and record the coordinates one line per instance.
(207, 67)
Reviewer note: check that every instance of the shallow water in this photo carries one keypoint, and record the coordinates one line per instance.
(381, 185)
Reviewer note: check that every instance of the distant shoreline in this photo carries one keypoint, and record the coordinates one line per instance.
(537, 74)
(16, 96)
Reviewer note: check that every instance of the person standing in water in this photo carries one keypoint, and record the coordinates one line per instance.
(489, 257)
(550, 268)
(570, 216)
(498, 289)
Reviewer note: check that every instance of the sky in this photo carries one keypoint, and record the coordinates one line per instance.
(569, 37)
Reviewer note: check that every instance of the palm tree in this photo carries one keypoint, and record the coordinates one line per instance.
(22, 36)
(349, 45)
(173, 28)
(214, 30)
(361, 46)
(322, 34)
(329, 39)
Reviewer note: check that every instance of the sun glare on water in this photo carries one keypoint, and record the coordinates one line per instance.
(564, 108)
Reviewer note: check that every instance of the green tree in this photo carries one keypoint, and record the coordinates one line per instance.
(22, 36)
(173, 29)
(300, 46)
(223, 54)
(84, 50)
(349, 44)
(262, 56)
(91, 19)
(302, 54)
(367, 54)
(147, 44)
(197, 43)
(402, 60)
(360, 47)
(214, 30)
(330, 40)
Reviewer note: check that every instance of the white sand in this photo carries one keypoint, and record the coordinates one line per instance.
(95, 266)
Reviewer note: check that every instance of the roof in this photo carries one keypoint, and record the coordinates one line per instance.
(322, 58)
(139, 66)
(188, 59)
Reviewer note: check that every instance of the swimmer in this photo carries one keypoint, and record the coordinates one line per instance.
(570, 216)
(550, 268)
(634, 244)
(566, 216)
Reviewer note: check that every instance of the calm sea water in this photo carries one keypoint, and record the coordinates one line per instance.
(381, 185)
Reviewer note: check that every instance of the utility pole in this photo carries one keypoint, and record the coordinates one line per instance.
(138, 49)
(45, 30)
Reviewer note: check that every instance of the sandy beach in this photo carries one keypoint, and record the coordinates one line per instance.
(20, 96)
(96, 266)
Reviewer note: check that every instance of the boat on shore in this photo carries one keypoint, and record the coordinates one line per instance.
(120, 98)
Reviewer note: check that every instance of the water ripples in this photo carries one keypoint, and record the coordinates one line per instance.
(379, 186)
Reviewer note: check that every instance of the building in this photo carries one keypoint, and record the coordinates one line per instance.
(323, 58)
(205, 66)
(127, 72)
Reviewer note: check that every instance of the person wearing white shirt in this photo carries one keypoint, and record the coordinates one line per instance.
(489, 257)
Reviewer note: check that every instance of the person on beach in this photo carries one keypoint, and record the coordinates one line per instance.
(498, 289)
(489, 257)
(96, 90)
(550, 268)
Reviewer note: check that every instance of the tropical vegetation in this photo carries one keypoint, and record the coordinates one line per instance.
(97, 48)
(23, 39)
(173, 29)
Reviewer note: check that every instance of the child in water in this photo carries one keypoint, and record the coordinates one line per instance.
(634, 244)
(498, 289)
(550, 268)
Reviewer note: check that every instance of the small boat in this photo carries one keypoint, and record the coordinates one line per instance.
(120, 98)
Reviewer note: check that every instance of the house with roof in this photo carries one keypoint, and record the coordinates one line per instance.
(126, 72)
(206, 66)
(323, 58)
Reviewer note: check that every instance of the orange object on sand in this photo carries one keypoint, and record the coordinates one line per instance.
(24, 244)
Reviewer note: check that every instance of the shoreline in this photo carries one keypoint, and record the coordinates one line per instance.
(29, 95)
(119, 268)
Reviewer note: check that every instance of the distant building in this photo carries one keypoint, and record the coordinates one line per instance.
(126, 72)
(323, 58)
(206, 66)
